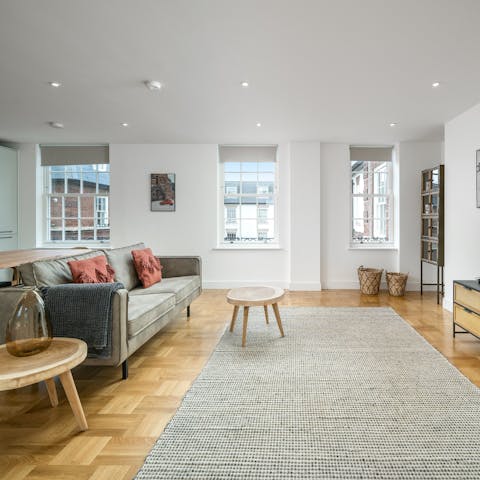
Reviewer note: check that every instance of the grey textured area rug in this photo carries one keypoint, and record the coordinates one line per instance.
(349, 393)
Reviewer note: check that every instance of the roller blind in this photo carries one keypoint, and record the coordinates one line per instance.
(262, 153)
(371, 154)
(73, 155)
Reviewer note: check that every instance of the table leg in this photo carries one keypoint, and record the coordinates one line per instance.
(265, 309)
(279, 320)
(73, 398)
(52, 391)
(245, 321)
(234, 317)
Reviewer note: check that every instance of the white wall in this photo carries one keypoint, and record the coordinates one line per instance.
(413, 158)
(30, 197)
(314, 213)
(192, 228)
(462, 218)
(305, 216)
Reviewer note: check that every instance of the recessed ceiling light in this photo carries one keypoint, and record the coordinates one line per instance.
(259, 124)
(124, 124)
(435, 84)
(55, 84)
(153, 84)
(392, 124)
(244, 84)
(56, 124)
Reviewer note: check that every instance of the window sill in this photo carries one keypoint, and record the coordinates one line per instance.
(373, 247)
(247, 247)
(67, 245)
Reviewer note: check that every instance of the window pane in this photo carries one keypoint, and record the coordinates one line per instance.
(87, 234)
(55, 235)
(248, 229)
(231, 200)
(55, 206)
(103, 183)
(249, 217)
(248, 211)
(232, 177)
(231, 167)
(87, 207)
(266, 177)
(266, 166)
(83, 211)
(103, 234)
(249, 166)
(71, 207)
(71, 235)
(57, 183)
(232, 188)
(249, 187)
(71, 223)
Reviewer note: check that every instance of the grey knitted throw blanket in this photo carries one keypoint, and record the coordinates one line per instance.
(83, 311)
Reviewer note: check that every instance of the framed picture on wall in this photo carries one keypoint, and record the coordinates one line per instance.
(162, 192)
(477, 164)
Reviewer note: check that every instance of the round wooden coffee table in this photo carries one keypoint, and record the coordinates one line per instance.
(60, 357)
(253, 297)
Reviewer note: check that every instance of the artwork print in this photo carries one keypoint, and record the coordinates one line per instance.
(162, 192)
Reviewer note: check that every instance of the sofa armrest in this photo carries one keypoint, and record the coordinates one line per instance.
(180, 266)
(119, 326)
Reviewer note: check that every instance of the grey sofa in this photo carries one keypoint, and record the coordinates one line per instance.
(137, 313)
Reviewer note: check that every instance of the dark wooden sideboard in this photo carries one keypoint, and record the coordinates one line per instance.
(466, 307)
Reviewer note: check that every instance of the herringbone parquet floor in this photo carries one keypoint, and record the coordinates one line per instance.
(126, 417)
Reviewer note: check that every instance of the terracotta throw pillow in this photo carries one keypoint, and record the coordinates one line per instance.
(148, 267)
(92, 270)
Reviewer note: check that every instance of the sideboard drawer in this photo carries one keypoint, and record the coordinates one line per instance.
(467, 297)
(468, 320)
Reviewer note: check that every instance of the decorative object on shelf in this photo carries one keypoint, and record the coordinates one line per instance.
(478, 177)
(28, 330)
(369, 279)
(432, 234)
(162, 192)
(396, 283)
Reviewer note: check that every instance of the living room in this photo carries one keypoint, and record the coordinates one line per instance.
(203, 97)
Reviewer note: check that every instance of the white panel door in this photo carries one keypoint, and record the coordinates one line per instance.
(8, 204)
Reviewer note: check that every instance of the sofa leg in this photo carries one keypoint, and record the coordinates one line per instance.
(188, 311)
(125, 370)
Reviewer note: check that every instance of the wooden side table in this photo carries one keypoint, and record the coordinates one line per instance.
(62, 355)
(251, 297)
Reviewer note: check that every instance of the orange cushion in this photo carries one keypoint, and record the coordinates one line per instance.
(148, 267)
(92, 270)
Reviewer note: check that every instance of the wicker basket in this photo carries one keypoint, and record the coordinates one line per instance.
(396, 283)
(369, 279)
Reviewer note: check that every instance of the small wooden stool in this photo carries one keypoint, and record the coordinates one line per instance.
(252, 297)
(58, 359)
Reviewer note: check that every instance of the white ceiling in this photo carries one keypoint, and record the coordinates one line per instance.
(333, 70)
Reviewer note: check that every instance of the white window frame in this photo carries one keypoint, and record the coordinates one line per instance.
(225, 244)
(391, 197)
(48, 194)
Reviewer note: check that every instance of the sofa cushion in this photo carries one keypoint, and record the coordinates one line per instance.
(180, 286)
(56, 271)
(120, 259)
(147, 266)
(92, 270)
(143, 310)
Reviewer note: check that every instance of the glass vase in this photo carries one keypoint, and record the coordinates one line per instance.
(28, 330)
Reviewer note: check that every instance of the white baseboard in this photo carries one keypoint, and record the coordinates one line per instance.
(306, 286)
(230, 284)
(448, 304)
